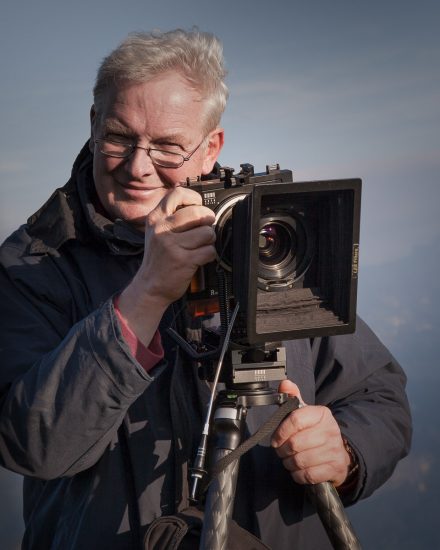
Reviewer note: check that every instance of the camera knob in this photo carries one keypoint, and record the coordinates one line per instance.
(247, 169)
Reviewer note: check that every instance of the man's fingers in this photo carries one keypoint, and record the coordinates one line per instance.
(314, 474)
(203, 255)
(302, 441)
(179, 197)
(309, 442)
(297, 421)
(197, 237)
(188, 217)
(179, 210)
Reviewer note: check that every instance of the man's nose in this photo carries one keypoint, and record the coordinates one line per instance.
(139, 164)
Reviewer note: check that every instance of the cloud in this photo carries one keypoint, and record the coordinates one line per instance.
(8, 167)
(360, 105)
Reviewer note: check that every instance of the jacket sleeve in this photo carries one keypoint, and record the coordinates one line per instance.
(363, 385)
(64, 386)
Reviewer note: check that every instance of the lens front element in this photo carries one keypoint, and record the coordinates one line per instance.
(284, 250)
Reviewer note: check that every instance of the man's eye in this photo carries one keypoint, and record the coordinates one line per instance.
(169, 148)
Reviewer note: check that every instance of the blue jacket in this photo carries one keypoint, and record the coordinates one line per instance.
(104, 446)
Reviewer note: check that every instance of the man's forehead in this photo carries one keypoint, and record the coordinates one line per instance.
(165, 106)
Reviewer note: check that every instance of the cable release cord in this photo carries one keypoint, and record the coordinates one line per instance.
(198, 471)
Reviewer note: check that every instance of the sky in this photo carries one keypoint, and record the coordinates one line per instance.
(326, 88)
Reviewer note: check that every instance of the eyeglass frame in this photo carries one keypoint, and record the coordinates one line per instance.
(148, 150)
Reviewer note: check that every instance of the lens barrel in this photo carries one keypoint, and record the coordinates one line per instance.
(284, 250)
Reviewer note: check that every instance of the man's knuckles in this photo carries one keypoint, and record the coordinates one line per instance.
(179, 197)
(288, 448)
(311, 476)
(297, 461)
(191, 216)
(294, 423)
(198, 237)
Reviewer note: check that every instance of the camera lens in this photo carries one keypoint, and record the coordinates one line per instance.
(284, 250)
(276, 243)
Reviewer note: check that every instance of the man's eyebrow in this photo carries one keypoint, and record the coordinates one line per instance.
(111, 125)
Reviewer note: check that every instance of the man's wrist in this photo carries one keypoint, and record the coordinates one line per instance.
(352, 469)
(140, 312)
(147, 355)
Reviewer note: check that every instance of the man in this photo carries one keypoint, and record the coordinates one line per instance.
(99, 411)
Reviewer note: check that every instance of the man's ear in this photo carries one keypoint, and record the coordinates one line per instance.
(215, 143)
(93, 122)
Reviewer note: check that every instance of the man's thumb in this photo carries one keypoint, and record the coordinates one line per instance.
(289, 387)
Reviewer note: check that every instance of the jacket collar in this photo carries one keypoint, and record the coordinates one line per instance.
(71, 214)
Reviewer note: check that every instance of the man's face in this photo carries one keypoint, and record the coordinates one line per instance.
(164, 113)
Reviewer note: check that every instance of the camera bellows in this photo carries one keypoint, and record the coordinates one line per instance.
(297, 309)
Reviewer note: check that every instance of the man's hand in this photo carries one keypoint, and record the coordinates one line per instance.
(310, 444)
(179, 238)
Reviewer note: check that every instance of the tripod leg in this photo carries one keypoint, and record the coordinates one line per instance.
(228, 425)
(219, 506)
(333, 516)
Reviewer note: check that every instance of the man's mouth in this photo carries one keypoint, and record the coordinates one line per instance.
(140, 187)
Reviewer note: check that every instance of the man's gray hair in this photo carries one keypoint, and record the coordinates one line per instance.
(197, 55)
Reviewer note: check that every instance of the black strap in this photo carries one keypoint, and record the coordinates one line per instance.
(182, 532)
(265, 429)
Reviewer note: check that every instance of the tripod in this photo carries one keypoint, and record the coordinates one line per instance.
(247, 385)
(228, 428)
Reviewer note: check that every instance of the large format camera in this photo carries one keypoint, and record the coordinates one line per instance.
(287, 252)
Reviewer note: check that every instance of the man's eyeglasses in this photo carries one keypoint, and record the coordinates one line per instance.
(124, 149)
